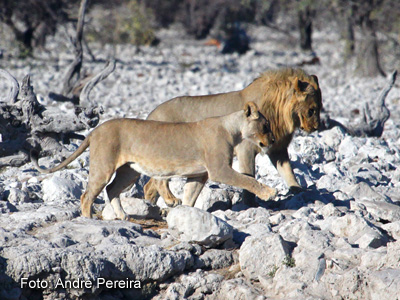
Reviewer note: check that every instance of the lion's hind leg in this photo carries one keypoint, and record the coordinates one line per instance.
(164, 191)
(125, 177)
(150, 191)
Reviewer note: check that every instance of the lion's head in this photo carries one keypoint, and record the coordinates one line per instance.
(308, 104)
(291, 99)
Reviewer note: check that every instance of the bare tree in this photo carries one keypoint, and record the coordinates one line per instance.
(25, 124)
(305, 21)
(32, 21)
(368, 63)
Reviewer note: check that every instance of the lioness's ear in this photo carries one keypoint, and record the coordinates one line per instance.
(251, 110)
(300, 86)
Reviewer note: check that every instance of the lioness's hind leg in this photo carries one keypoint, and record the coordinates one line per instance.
(124, 178)
(165, 192)
(92, 191)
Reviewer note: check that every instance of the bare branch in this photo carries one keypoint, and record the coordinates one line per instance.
(374, 120)
(73, 74)
(84, 97)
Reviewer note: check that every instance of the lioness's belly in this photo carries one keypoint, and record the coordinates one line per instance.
(169, 170)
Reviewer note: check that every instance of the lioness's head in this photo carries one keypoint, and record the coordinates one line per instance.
(257, 129)
(308, 105)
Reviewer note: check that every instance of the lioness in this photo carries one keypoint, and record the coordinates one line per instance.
(196, 150)
(288, 98)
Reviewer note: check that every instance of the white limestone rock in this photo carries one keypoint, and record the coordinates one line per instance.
(192, 224)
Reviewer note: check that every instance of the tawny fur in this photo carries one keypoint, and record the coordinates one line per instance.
(286, 98)
(196, 150)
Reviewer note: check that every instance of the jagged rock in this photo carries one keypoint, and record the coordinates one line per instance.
(392, 259)
(17, 196)
(237, 288)
(393, 229)
(195, 285)
(57, 188)
(215, 259)
(7, 207)
(106, 251)
(214, 198)
(195, 225)
(135, 208)
(348, 148)
(277, 218)
(291, 231)
(333, 137)
(363, 191)
(258, 256)
(356, 229)
(384, 284)
(381, 210)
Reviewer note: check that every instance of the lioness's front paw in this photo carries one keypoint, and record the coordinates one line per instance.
(268, 193)
(173, 202)
(123, 216)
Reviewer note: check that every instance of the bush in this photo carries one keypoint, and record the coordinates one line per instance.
(129, 22)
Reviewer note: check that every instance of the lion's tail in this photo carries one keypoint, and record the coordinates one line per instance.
(67, 161)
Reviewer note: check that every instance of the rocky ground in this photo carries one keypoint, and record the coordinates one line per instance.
(339, 239)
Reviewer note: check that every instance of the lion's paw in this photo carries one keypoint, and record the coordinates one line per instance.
(296, 189)
(164, 212)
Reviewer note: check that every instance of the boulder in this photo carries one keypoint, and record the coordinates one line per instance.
(192, 224)
(135, 208)
(58, 188)
(215, 198)
(260, 256)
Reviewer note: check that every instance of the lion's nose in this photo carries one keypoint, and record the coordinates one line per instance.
(272, 140)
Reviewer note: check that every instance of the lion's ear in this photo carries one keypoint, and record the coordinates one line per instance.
(315, 79)
(300, 86)
(251, 111)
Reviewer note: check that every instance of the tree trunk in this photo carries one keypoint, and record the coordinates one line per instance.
(349, 35)
(73, 73)
(368, 55)
(305, 26)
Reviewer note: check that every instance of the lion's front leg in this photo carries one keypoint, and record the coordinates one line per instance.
(192, 189)
(282, 163)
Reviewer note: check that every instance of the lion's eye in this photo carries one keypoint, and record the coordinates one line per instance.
(311, 112)
(265, 129)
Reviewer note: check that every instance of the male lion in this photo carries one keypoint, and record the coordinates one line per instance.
(196, 150)
(288, 98)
